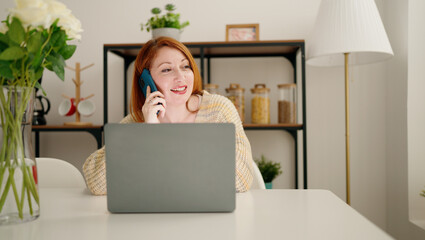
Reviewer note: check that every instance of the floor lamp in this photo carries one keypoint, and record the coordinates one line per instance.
(347, 32)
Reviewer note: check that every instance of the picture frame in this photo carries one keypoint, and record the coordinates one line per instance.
(242, 32)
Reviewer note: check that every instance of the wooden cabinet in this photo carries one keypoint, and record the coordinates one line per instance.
(205, 51)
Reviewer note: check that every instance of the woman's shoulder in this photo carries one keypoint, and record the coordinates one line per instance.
(214, 100)
(217, 107)
(128, 119)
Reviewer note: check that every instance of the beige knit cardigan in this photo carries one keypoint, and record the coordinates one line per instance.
(213, 109)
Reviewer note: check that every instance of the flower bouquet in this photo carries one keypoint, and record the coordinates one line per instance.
(33, 37)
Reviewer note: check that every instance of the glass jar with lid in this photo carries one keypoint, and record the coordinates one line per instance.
(236, 94)
(211, 88)
(260, 104)
(287, 105)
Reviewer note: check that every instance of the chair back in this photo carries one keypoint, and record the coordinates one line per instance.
(57, 173)
(258, 182)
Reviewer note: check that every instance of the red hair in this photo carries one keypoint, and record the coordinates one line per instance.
(144, 60)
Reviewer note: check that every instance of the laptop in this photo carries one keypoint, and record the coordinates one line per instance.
(179, 167)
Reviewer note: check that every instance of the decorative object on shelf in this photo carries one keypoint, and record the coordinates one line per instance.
(31, 39)
(287, 104)
(357, 36)
(211, 88)
(269, 170)
(236, 94)
(167, 25)
(78, 105)
(260, 104)
(243, 32)
(40, 108)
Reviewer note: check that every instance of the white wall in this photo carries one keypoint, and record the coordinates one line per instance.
(399, 104)
(416, 111)
(378, 98)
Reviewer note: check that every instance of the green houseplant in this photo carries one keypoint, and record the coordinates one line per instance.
(269, 170)
(166, 24)
(33, 37)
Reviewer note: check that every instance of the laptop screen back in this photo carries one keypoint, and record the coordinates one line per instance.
(170, 167)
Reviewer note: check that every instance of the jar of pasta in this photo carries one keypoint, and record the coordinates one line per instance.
(211, 88)
(287, 103)
(260, 112)
(236, 94)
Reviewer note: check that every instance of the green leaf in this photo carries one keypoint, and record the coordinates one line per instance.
(156, 11)
(60, 71)
(39, 73)
(3, 46)
(35, 42)
(170, 7)
(67, 51)
(16, 31)
(58, 40)
(12, 53)
(35, 75)
(5, 70)
(49, 66)
(55, 23)
(4, 39)
(16, 67)
(57, 64)
(37, 60)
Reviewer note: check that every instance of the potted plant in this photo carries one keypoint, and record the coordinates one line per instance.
(269, 170)
(167, 24)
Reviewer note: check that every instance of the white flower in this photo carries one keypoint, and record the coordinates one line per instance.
(31, 12)
(71, 25)
(35, 13)
(67, 21)
(29, 3)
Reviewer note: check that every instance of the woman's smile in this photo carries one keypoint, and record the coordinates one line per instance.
(179, 90)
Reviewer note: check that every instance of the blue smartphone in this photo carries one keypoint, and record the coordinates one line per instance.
(146, 80)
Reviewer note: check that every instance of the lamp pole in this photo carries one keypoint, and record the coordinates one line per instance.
(347, 131)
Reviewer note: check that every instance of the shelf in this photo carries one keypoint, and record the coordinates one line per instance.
(220, 49)
(94, 130)
(284, 126)
(63, 127)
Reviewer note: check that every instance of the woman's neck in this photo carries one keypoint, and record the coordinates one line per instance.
(177, 115)
(181, 113)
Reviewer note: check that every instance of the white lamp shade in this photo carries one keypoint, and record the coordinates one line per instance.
(347, 26)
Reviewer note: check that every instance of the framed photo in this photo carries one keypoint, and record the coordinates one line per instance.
(243, 32)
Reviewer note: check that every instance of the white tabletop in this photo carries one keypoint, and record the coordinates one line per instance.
(260, 214)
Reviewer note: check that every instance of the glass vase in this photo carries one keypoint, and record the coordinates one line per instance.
(19, 199)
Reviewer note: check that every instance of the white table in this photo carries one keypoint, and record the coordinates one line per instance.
(260, 214)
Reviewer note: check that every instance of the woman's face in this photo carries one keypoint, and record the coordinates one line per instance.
(172, 75)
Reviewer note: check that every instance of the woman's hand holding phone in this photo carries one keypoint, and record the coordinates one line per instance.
(154, 103)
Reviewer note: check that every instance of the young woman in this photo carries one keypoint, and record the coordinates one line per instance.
(181, 99)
